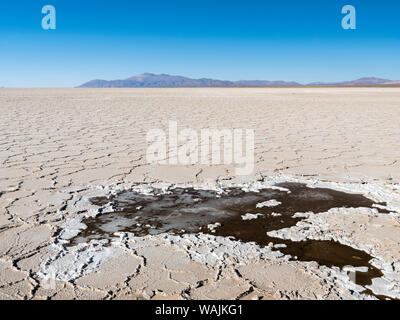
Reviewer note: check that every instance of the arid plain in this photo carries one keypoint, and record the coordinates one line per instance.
(60, 147)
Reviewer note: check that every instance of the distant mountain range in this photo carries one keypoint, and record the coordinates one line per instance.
(150, 80)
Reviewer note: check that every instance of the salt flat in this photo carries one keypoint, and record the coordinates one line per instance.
(59, 146)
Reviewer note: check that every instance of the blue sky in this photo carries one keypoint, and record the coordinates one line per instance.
(299, 40)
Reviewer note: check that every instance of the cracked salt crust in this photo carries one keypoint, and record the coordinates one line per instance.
(58, 144)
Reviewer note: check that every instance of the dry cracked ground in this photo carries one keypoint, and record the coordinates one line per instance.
(59, 144)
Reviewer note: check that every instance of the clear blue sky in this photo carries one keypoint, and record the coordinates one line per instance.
(300, 40)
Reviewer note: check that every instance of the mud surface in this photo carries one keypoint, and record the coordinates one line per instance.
(245, 216)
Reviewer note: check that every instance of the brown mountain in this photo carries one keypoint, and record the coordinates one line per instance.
(150, 80)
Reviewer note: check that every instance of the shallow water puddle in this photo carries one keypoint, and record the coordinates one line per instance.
(246, 216)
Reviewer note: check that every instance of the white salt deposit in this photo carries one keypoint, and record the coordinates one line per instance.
(269, 203)
(250, 216)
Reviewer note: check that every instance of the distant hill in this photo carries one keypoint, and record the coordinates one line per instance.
(360, 82)
(264, 83)
(150, 80)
